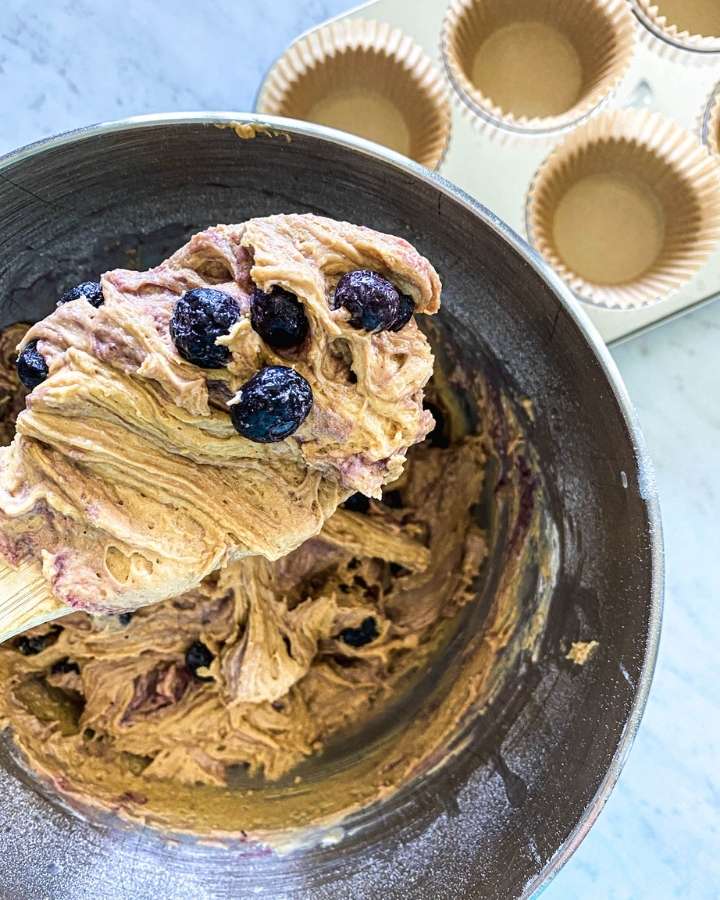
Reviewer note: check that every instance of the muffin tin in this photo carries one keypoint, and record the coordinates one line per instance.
(697, 25)
(358, 74)
(545, 64)
(626, 208)
(499, 158)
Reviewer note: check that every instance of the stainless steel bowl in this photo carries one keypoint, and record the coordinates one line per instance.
(503, 815)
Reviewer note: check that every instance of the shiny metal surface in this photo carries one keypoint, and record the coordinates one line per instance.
(506, 813)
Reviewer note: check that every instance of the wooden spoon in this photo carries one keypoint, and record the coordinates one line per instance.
(25, 600)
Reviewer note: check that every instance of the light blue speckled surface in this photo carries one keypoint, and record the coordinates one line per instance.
(66, 64)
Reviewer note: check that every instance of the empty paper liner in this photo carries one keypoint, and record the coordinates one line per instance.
(687, 24)
(626, 208)
(366, 78)
(710, 125)
(536, 65)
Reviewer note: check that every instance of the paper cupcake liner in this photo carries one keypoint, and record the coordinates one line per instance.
(654, 16)
(367, 78)
(601, 33)
(656, 156)
(710, 122)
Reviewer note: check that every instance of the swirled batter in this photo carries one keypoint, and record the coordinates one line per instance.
(127, 476)
(300, 648)
(208, 711)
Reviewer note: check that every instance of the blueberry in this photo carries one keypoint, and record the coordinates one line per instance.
(279, 318)
(63, 666)
(358, 637)
(372, 301)
(273, 405)
(90, 290)
(31, 366)
(407, 308)
(31, 646)
(358, 503)
(198, 656)
(125, 618)
(200, 316)
(393, 499)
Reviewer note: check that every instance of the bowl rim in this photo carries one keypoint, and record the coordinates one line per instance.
(283, 128)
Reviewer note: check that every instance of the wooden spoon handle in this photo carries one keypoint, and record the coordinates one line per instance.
(25, 600)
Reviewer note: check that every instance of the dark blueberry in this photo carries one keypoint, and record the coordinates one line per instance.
(407, 308)
(63, 666)
(358, 637)
(372, 301)
(197, 657)
(398, 571)
(279, 318)
(31, 366)
(358, 503)
(125, 618)
(90, 290)
(31, 646)
(393, 499)
(272, 405)
(200, 316)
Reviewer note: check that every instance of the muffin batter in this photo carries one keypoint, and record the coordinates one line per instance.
(129, 478)
(264, 662)
(278, 697)
(12, 391)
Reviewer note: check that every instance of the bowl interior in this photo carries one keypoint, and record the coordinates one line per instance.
(534, 770)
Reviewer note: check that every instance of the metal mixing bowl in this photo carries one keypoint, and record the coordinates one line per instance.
(500, 817)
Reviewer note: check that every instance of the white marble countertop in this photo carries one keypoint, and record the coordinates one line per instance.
(66, 63)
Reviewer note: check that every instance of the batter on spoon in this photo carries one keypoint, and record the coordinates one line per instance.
(217, 407)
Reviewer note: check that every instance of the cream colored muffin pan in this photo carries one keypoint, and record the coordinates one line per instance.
(492, 155)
